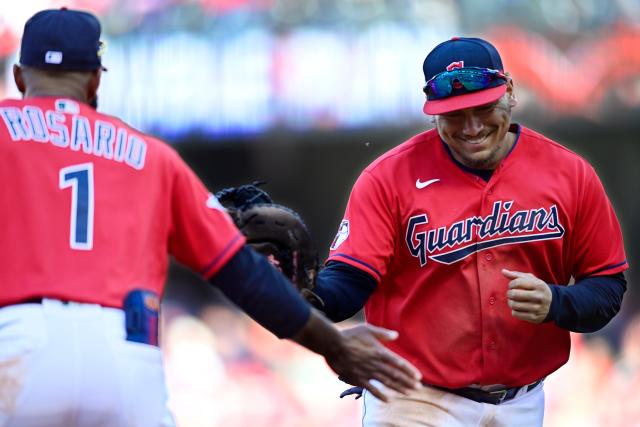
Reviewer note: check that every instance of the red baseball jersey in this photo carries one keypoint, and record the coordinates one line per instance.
(436, 236)
(90, 208)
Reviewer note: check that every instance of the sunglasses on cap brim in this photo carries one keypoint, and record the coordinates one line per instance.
(470, 78)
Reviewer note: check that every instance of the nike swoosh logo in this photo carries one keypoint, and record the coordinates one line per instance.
(420, 185)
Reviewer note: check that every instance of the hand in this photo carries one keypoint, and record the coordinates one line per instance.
(528, 296)
(363, 358)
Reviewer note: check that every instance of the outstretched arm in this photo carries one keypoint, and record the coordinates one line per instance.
(355, 354)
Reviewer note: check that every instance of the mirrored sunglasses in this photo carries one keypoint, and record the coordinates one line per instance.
(470, 78)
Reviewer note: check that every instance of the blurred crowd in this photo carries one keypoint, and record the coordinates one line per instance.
(599, 386)
(225, 370)
(250, 62)
(121, 16)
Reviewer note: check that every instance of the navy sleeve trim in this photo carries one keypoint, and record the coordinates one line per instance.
(369, 266)
(609, 267)
(221, 255)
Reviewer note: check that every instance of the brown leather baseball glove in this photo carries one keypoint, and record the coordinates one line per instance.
(276, 232)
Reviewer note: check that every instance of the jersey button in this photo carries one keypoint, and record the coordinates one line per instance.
(490, 192)
(492, 345)
(492, 300)
(488, 256)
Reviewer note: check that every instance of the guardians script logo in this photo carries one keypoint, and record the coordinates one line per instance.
(450, 244)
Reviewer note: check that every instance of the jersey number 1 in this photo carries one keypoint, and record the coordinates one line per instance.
(80, 179)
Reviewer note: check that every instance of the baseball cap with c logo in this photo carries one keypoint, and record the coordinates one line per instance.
(462, 73)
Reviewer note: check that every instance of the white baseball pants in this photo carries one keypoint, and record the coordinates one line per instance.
(69, 365)
(432, 407)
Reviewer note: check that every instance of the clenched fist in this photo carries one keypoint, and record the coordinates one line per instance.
(528, 297)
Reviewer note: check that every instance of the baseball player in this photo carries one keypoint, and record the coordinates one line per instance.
(90, 209)
(464, 239)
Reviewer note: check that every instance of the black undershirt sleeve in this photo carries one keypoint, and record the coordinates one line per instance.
(344, 289)
(254, 285)
(589, 304)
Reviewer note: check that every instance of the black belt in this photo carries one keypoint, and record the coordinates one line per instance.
(34, 300)
(37, 300)
(494, 397)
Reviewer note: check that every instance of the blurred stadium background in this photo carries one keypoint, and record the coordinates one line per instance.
(303, 94)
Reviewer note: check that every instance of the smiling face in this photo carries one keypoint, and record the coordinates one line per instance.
(479, 137)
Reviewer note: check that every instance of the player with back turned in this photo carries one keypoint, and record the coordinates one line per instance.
(464, 239)
(90, 210)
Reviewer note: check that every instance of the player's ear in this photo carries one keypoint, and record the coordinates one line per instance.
(94, 84)
(511, 96)
(19, 78)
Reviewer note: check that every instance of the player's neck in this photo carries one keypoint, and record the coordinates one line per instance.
(66, 87)
(71, 94)
(508, 141)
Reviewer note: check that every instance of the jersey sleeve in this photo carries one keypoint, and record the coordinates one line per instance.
(597, 237)
(203, 235)
(366, 235)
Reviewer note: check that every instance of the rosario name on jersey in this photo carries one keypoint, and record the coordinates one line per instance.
(436, 237)
(91, 207)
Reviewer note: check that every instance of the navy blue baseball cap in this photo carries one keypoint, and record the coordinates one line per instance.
(62, 39)
(460, 52)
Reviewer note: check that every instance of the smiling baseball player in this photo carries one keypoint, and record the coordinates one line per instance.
(464, 239)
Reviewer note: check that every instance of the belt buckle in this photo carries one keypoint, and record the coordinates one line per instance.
(501, 394)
